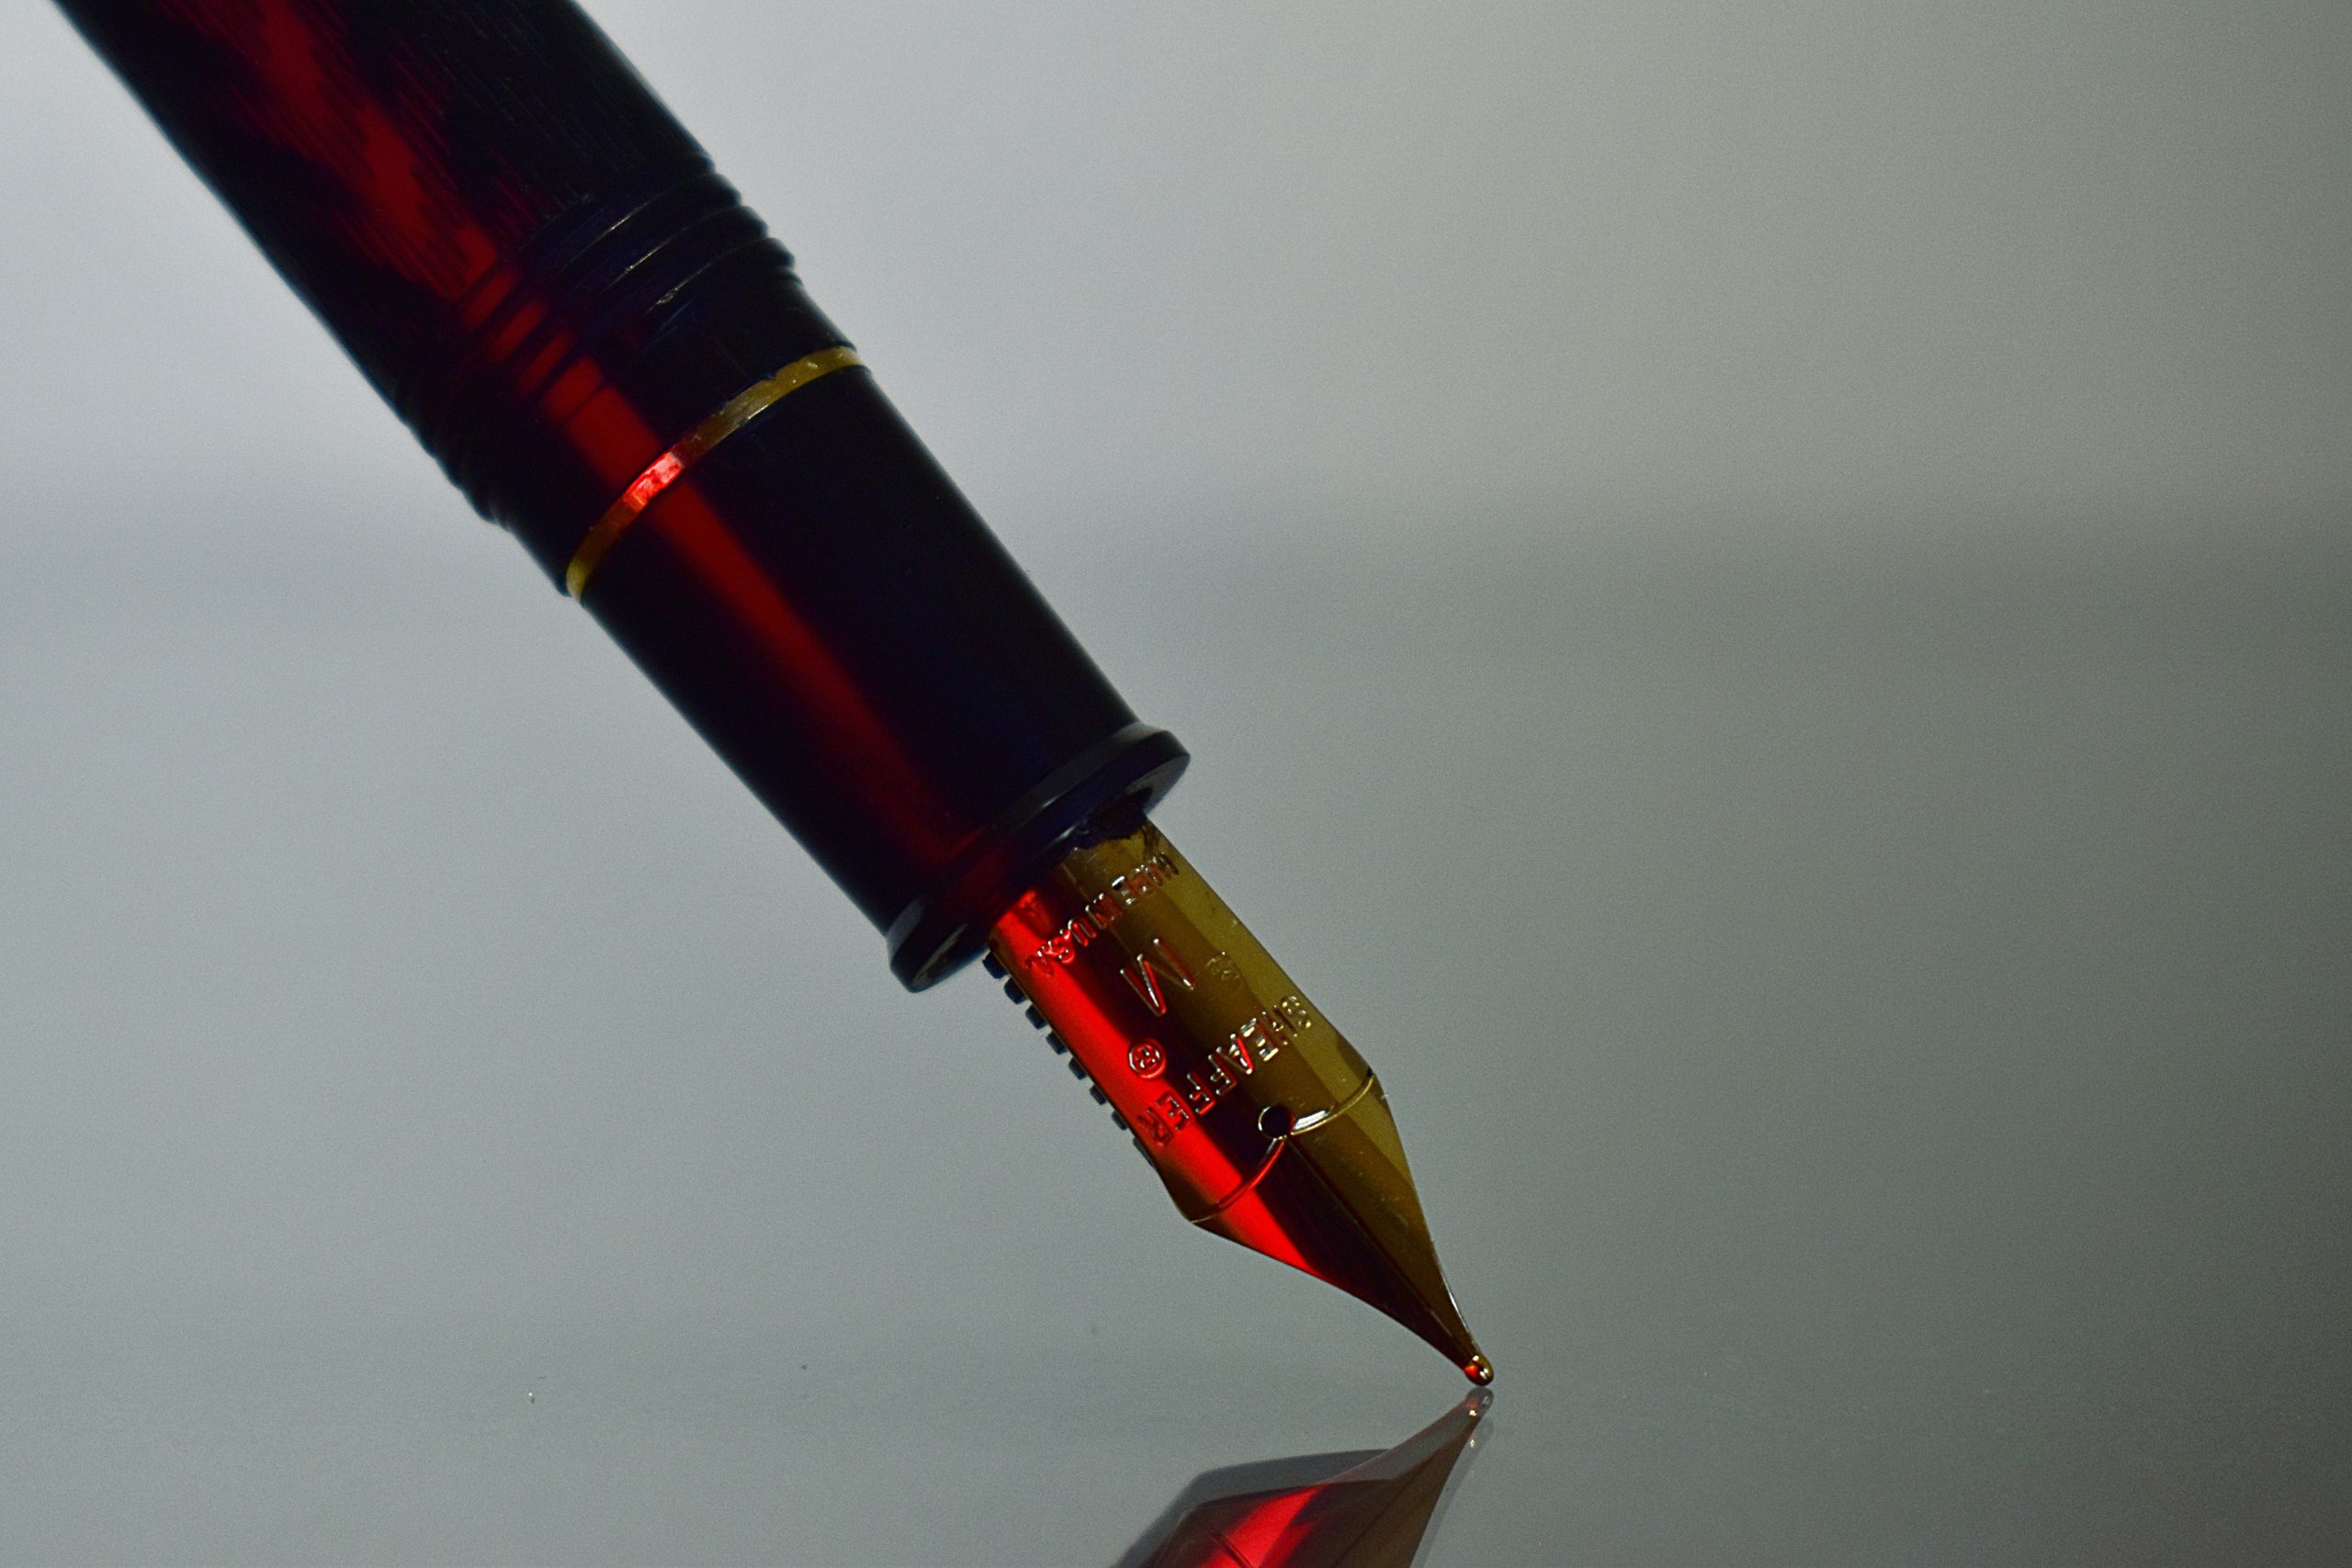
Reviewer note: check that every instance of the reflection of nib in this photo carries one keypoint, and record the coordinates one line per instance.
(1258, 1116)
(1297, 1514)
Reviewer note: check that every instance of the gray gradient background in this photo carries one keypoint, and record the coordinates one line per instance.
(1761, 596)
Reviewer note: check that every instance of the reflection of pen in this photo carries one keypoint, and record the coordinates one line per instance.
(536, 266)
(1316, 1511)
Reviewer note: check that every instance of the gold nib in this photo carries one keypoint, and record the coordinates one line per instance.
(1263, 1122)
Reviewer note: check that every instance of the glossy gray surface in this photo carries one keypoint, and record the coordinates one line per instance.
(1868, 1016)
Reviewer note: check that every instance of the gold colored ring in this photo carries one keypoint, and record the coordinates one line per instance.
(733, 415)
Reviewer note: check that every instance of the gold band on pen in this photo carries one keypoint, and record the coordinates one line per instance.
(735, 413)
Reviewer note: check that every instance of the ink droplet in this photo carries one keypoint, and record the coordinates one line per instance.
(1479, 1369)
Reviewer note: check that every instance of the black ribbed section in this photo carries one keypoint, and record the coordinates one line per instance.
(492, 214)
(602, 282)
(666, 306)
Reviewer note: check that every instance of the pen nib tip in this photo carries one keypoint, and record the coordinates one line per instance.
(1338, 1202)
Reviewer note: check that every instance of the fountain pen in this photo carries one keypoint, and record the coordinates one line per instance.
(543, 274)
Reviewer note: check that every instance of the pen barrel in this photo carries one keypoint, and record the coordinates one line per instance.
(540, 271)
(518, 246)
